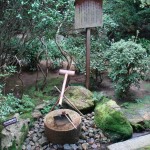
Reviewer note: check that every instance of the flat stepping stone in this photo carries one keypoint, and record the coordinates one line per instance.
(139, 112)
(132, 144)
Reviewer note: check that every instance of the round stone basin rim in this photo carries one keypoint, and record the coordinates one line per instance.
(50, 123)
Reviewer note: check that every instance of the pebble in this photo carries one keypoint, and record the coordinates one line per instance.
(31, 143)
(85, 146)
(94, 146)
(35, 138)
(28, 147)
(23, 147)
(91, 137)
(43, 141)
(91, 141)
(67, 147)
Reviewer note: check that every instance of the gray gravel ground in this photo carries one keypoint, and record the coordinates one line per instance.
(91, 137)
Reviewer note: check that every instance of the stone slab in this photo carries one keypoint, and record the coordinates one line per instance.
(132, 144)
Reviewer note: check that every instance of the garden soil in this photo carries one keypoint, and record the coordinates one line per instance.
(29, 78)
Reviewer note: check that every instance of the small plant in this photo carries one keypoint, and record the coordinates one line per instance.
(48, 107)
(8, 71)
(98, 96)
(125, 105)
(10, 105)
(128, 62)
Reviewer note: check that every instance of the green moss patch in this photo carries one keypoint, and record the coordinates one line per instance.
(47, 93)
(81, 97)
(112, 122)
(145, 148)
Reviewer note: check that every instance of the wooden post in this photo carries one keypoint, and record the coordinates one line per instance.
(88, 14)
(88, 32)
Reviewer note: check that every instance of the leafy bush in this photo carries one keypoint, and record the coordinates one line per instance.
(128, 62)
(8, 71)
(127, 17)
(75, 45)
(24, 23)
(145, 44)
(10, 105)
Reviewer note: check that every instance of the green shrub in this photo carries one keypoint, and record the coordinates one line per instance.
(128, 62)
(10, 105)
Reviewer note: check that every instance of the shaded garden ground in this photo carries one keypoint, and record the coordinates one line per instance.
(29, 79)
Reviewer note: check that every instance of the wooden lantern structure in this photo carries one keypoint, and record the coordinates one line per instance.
(88, 14)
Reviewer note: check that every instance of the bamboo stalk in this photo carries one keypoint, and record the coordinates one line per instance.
(71, 121)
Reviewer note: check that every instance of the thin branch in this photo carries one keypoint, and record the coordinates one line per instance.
(19, 76)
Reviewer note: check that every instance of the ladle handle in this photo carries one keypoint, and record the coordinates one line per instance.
(63, 89)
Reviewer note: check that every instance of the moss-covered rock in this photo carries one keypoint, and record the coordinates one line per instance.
(14, 135)
(81, 97)
(111, 120)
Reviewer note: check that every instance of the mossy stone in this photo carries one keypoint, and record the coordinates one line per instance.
(112, 121)
(81, 97)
